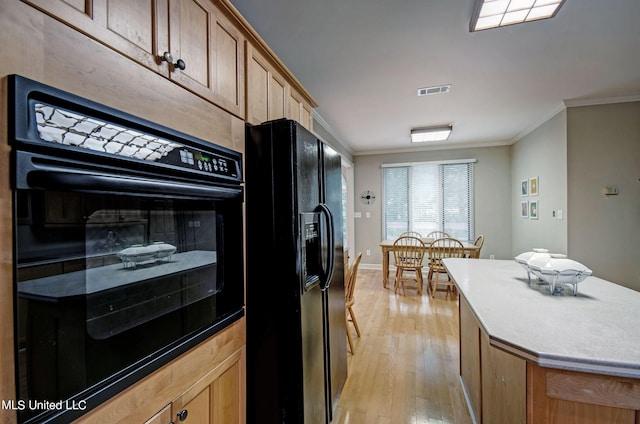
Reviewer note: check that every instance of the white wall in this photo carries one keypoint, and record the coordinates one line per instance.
(542, 154)
(492, 194)
(576, 154)
(603, 144)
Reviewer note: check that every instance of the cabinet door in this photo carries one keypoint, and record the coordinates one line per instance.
(137, 29)
(162, 417)
(217, 398)
(278, 89)
(212, 52)
(257, 87)
(503, 385)
(227, 396)
(300, 111)
(266, 90)
(470, 357)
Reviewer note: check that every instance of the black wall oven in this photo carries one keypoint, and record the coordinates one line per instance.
(128, 247)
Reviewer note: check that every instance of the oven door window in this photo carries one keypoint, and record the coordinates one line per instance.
(106, 280)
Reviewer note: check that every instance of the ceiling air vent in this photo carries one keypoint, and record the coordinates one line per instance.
(427, 91)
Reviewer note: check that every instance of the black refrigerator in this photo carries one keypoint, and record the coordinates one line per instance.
(295, 312)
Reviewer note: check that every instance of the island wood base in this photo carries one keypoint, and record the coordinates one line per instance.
(569, 397)
(503, 388)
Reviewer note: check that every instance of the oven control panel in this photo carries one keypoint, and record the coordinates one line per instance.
(202, 161)
(76, 130)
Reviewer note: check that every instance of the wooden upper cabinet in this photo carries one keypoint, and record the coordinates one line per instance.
(157, 32)
(277, 96)
(300, 110)
(257, 87)
(135, 28)
(266, 89)
(212, 51)
(270, 95)
(138, 29)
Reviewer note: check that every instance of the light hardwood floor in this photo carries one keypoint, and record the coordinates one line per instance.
(406, 364)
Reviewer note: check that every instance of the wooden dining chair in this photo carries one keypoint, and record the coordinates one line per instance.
(408, 253)
(475, 254)
(438, 234)
(350, 300)
(438, 250)
(411, 234)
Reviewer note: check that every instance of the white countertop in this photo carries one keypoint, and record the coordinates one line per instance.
(597, 331)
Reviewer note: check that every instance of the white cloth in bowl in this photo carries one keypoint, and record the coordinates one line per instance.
(550, 265)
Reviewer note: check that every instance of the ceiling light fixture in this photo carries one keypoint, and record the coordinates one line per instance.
(440, 133)
(497, 13)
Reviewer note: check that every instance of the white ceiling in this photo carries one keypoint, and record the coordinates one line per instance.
(363, 61)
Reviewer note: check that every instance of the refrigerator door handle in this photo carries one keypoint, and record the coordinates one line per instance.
(328, 272)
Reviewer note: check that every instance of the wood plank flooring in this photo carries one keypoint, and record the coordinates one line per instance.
(406, 364)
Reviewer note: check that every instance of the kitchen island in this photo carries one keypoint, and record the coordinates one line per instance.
(529, 356)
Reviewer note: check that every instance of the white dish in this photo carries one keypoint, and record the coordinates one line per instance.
(524, 258)
(559, 271)
(131, 256)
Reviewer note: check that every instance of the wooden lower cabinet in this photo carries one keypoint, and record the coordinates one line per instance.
(494, 381)
(502, 388)
(470, 360)
(569, 397)
(218, 398)
(162, 417)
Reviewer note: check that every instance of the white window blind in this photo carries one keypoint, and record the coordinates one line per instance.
(426, 197)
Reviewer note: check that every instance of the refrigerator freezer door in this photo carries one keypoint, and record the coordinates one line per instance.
(334, 295)
(307, 197)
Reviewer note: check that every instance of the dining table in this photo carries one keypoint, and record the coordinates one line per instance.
(387, 247)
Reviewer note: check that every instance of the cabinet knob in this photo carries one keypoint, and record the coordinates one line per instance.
(182, 415)
(168, 57)
(180, 64)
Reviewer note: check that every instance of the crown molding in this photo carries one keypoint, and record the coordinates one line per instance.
(328, 128)
(448, 146)
(602, 101)
(537, 123)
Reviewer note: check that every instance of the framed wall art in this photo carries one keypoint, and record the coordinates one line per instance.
(524, 209)
(533, 209)
(533, 186)
(524, 187)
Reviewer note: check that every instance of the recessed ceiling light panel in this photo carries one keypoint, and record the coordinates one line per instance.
(497, 13)
(421, 135)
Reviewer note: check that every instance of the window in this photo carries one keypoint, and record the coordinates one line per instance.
(428, 196)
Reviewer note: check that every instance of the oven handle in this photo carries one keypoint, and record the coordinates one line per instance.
(56, 180)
